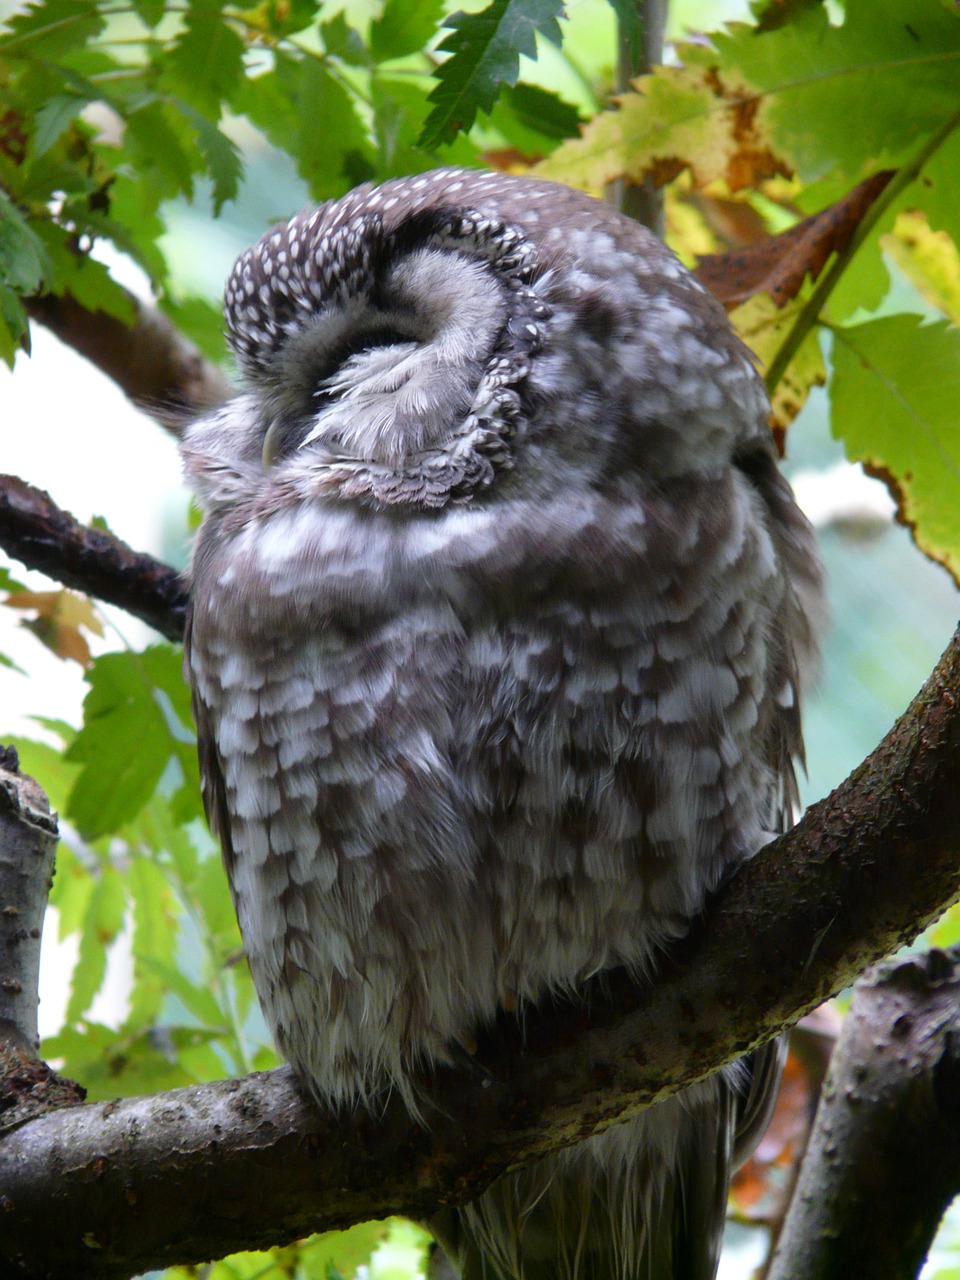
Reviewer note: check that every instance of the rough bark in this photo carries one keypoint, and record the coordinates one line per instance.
(883, 1161)
(34, 530)
(28, 837)
(243, 1163)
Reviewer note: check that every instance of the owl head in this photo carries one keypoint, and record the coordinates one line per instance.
(445, 337)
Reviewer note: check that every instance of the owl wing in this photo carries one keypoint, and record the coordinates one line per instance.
(213, 787)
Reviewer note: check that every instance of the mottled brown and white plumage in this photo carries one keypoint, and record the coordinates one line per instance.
(499, 606)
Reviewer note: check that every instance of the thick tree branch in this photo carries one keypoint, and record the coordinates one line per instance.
(35, 531)
(151, 361)
(28, 837)
(243, 1163)
(883, 1161)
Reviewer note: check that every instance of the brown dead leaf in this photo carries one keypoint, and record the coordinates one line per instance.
(749, 162)
(733, 222)
(509, 159)
(60, 620)
(757, 1187)
(779, 264)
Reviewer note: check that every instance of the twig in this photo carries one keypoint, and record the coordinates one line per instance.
(34, 530)
(643, 201)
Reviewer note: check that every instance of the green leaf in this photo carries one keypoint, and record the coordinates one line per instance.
(770, 14)
(170, 841)
(162, 149)
(533, 119)
(763, 326)
(71, 892)
(809, 96)
(343, 41)
(196, 999)
(52, 119)
(102, 922)
(51, 27)
(206, 61)
(853, 98)
(88, 280)
(399, 110)
(402, 1254)
(485, 51)
(213, 898)
(222, 157)
(134, 225)
(333, 151)
(24, 263)
(322, 1257)
(150, 11)
(14, 327)
(162, 665)
(46, 763)
(136, 718)
(8, 582)
(154, 938)
(937, 191)
(308, 113)
(404, 27)
(201, 1062)
(111, 1062)
(895, 404)
(200, 321)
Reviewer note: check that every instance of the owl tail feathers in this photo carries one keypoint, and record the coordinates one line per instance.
(643, 1201)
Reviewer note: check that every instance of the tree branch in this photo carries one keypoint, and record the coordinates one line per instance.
(35, 531)
(243, 1163)
(151, 361)
(28, 837)
(883, 1161)
(644, 200)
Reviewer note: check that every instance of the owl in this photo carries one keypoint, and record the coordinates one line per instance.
(499, 612)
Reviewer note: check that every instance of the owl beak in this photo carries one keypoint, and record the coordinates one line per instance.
(272, 442)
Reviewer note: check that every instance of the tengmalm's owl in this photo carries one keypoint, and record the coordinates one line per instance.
(499, 606)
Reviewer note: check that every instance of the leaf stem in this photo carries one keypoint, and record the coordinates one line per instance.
(810, 314)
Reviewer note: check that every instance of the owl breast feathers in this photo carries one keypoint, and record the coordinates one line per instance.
(499, 611)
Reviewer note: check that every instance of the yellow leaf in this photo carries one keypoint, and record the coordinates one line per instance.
(676, 118)
(929, 259)
(763, 326)
(61, 618)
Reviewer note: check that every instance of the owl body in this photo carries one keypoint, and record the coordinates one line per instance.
(495, 646)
